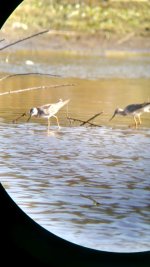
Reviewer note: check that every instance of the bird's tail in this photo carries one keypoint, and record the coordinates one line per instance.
(63, 103)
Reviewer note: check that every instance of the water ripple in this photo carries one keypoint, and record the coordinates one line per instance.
(49, 175)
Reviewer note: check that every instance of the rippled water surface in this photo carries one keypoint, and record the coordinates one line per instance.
(89, 185)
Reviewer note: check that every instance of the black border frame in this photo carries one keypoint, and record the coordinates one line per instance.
(23, 241)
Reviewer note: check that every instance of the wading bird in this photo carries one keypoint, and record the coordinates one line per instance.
(47, 111)
(135, 110)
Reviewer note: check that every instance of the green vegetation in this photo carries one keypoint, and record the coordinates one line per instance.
(85, 16)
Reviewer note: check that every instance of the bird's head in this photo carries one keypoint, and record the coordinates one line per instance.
(117, 111)
(32, 112)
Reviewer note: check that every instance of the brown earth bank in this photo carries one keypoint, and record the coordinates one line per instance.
(80, 26)
(96, 43)
(75, 42)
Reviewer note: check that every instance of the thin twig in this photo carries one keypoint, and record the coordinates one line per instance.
(29, 73)
(126, 38)
(35, 88)
(21, 40)
(15, 120)
(92, 124)
(2, 40)
(96, 115)
(92, 199)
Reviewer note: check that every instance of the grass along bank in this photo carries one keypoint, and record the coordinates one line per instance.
(84, 16)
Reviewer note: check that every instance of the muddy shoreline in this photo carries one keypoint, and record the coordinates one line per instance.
(82, 43)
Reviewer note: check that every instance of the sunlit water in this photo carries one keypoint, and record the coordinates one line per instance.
(89, 185)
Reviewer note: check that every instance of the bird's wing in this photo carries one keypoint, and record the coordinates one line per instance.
(51, 109)
(61, 103)
(145, 104)
(133, 107)
(46, 108)
(146, 107)
(54, 108)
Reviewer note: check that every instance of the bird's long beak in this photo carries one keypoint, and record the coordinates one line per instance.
(29, 118)
(112, 116)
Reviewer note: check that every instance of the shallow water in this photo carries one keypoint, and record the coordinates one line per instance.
(57, 178)
(109, 64)
(89, 185)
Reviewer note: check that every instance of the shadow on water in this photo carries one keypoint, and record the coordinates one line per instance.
(92, 181)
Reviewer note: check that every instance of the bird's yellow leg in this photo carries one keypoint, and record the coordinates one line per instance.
(135, 124)
(57, 121)
(48, 124)
(140, 122)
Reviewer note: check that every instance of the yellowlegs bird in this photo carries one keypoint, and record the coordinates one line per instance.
(48, 111)
(135, 110)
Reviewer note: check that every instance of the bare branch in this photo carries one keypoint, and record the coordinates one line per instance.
(126, 38)
(35, 88)
(92, 199)
(21, 40)
(83, 122)
(15, 120)
(29, 73)
(2, 40)
(96, 115)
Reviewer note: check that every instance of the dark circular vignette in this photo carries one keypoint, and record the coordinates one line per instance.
(23, 241)
(6, 8)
